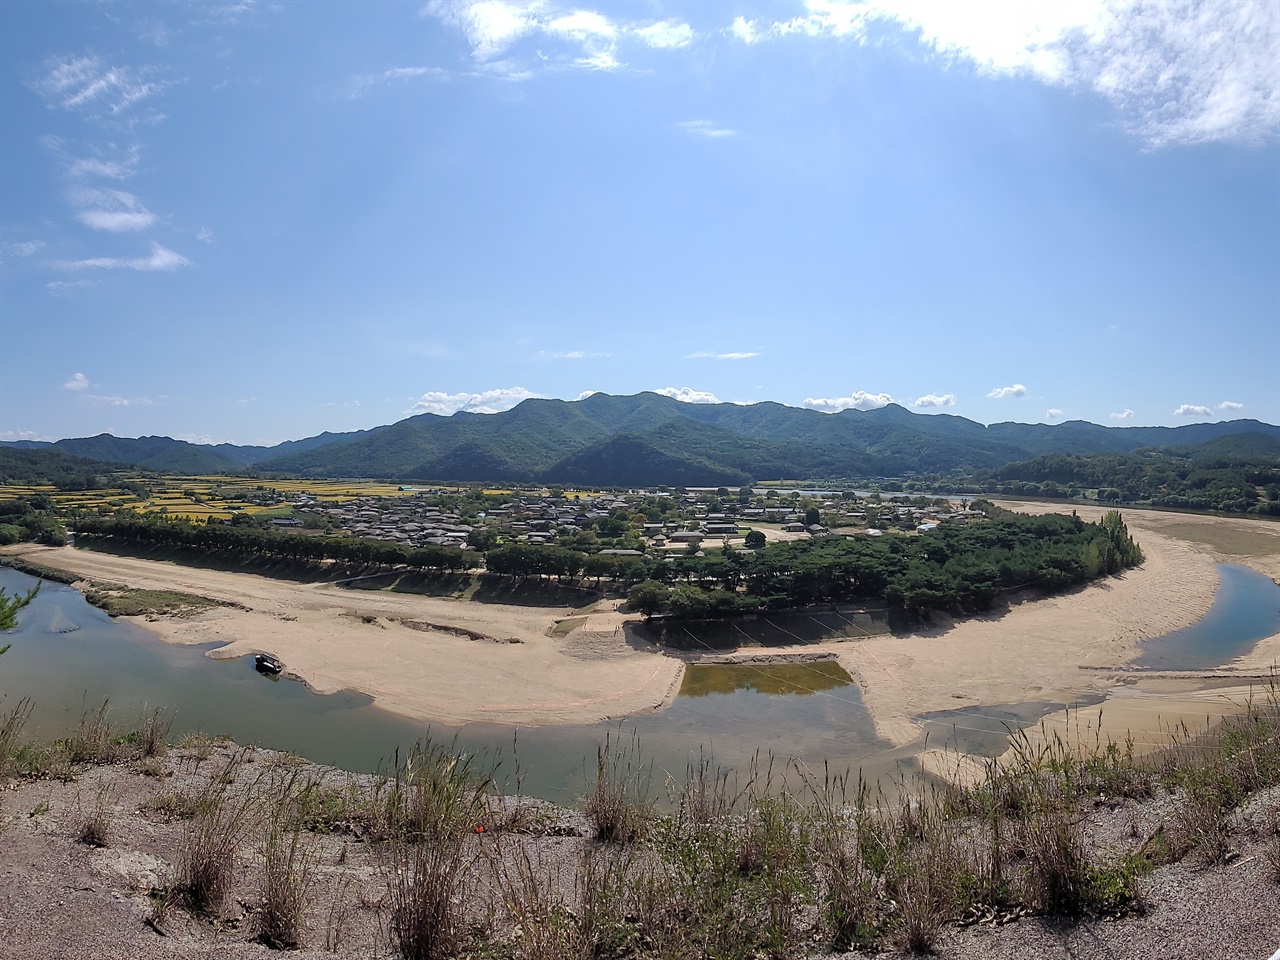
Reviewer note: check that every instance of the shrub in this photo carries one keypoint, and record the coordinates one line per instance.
(287, 867)
(222, 820)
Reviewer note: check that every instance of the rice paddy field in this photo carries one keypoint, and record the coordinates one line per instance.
(211, 496)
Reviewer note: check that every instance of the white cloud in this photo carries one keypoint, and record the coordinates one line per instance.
(687, 395)
(858, 400)
(121, 166)
(586, 393)
(1192, 410)
(935, 400)
(711, 355)
(490, 26)
(583, 25)
(1230, 405)
(567, 37)
(161, 258)
(11, 435)
(204, 235)
(1053, 413)
(1000, 393)
(745, 30)
(23, 248)
(78, 381)
(92, 167)
(1125, 414)
(116, 401)
(1179, 72)
(359, 84)
(60, 286)
(600, 60)
(574, 355)
(490, 401)
(112, 210)
(89, 84)
(665, 34)
(706, 128)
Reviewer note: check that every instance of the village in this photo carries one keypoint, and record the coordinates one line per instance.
(632, 523)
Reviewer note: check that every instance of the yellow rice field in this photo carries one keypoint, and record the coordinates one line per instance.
(208, 496)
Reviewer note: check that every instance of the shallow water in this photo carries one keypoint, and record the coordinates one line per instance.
(1245, 609)
(69, 657)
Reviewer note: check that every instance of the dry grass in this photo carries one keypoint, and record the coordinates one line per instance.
(619, 804)
(288, 865)
(437, 800)
(95, 823)
(222, 820)
(763, 869)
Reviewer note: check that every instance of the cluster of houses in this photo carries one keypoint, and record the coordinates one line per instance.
(408, 520)
(691, 517)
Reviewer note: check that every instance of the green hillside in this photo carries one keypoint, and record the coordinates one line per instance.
(618, 440)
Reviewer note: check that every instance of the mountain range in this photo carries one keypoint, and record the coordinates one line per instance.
(647, 438)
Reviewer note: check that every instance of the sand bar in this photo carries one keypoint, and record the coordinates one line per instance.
(1034, 650)
(343, 639)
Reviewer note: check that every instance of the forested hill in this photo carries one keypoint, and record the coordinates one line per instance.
(606, 440)
(1239, 474)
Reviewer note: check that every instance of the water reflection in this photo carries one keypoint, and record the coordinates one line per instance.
(785, 679)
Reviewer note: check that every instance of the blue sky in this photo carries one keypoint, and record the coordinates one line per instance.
(252, 222)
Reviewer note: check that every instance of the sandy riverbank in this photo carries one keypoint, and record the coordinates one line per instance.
(377, 642)
(337, 638)
(1035, 651)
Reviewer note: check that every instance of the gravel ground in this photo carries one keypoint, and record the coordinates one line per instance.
(62, 899)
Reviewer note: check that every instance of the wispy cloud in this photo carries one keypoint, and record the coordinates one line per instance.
(1125, 414)
(77, 381)
(61, 287)
(687, 395)
(22, 248)
(935, 400)
(115, 211)
(90, 85)
(858, 400)
(1192, 410)
(11, 435)
(204, 235)
(706, 128)
(712, 355)
(108, 162)
(574, 355)
(361, 83)
(1053, 413)
(489, 401)
(1178, 72)
(1230, 405)
(1001, 393)
(229, 12)
(665, 34)
(118, 401)
(161, 258)
(567, 37)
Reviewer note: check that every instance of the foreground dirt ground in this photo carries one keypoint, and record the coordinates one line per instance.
(63, 900)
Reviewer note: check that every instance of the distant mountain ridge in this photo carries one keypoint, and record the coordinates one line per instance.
(647, 438)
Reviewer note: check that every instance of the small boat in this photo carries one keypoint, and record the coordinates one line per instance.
(265, 663)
